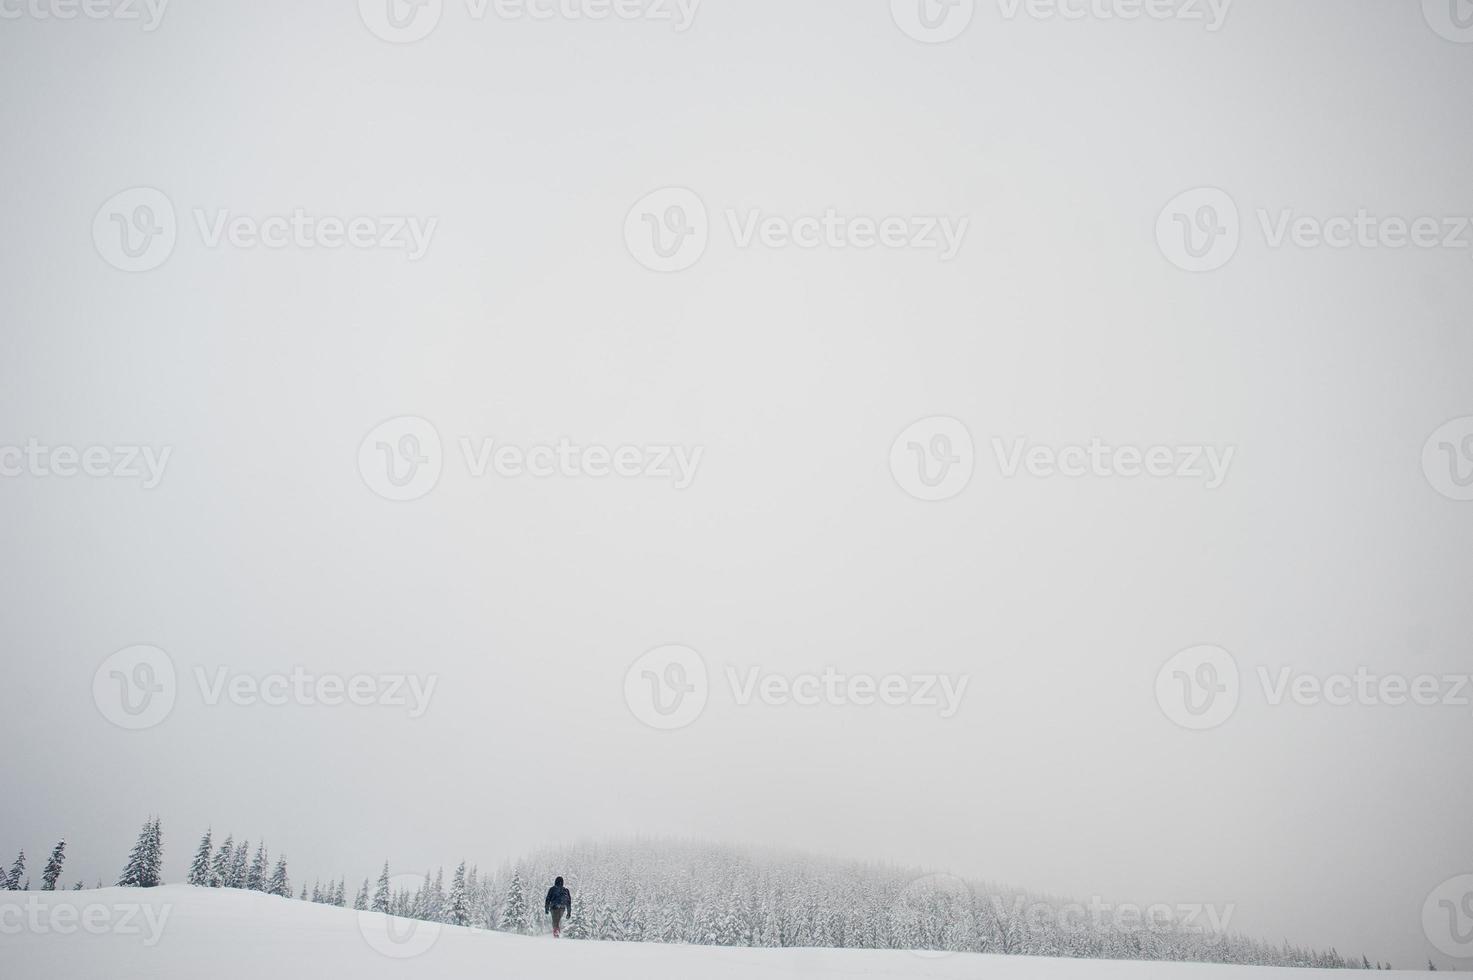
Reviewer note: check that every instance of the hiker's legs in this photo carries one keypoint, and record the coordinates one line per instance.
(557, 921)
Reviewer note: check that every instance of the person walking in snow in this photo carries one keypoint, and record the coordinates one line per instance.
(558, 903)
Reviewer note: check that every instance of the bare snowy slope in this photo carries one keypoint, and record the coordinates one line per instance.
(182, 933)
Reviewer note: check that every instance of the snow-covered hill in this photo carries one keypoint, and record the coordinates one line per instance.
(182, 933)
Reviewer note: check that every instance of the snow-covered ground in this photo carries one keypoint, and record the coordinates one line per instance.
(182, 933)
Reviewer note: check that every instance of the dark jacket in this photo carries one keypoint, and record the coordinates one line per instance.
(558, 897)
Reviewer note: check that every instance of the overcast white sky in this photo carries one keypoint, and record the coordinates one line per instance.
(529, 318)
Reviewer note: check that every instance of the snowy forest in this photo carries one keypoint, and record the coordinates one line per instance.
(672, 891)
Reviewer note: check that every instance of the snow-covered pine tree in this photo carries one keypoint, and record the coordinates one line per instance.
(381, 896)
(402, 904)
(256, 878)
(199, 868)
(360, 904)
(280, 883)
(606, 922)
(303, 896)
(436, 906)
(728, 922)
(220, 867)
(240, 865)
(421, 903)
(12, 880)
(769, 929)
(53, 867)
(340, 896)
(516, 911)
(144, 863)
(577, 927)
(459, 913)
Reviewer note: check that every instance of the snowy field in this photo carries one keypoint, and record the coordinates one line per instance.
(182, 933)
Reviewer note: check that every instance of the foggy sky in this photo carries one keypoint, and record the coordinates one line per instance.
(528, 320)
